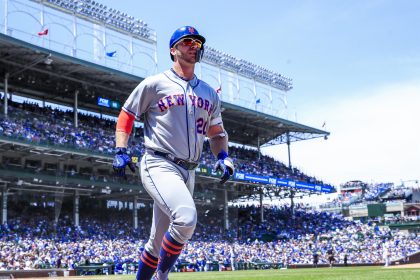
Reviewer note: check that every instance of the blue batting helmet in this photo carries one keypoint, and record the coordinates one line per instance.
(186, 31)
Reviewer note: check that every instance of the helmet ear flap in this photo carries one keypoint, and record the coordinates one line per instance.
(199, 54)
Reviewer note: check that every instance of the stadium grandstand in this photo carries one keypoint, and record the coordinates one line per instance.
(394, 204)
(64, 210)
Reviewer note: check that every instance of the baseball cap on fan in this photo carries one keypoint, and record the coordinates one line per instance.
(182, 32)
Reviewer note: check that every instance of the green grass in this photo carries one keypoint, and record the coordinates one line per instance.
(362, 273)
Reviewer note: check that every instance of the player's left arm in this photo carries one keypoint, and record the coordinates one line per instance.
(218, 139)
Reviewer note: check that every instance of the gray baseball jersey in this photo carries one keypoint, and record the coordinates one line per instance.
(178, 113)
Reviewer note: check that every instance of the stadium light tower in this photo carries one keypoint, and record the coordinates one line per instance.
(95, 12)
(247, 69)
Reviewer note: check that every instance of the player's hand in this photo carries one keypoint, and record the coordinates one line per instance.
(121, 160)
(225, 165)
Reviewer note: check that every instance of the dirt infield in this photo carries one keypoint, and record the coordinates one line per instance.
(410, 265)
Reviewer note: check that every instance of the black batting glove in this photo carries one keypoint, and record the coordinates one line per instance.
(225, 165)
(121, 160)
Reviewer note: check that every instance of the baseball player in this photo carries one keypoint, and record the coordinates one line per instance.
(180, 111)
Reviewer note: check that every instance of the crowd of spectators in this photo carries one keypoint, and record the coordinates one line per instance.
(398, 194)
(31, 239)
(35, 241)
(374, 191)
(401, 219)
(357, 193)
(343, 199)
(47, 126)
(283, 223)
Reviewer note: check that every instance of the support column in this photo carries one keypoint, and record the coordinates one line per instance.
(259, 147)
(156, 59)
(75, 108)
(255, 94)
(58, 203)
(292, 192)
(135, 214)
(60, 166)
(219, 80)
(4, 205)
(288, 150)
(261, 206)
(292, 202)
(226, 210)
(6, 91)
(74, 50)
(104, 40)
(238, 86)
(6, 15)
(131, 54)
(42, 22)
(76, 208)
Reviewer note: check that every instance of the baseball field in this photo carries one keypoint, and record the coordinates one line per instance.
(369, 273)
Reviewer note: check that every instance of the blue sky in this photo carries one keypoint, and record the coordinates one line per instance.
(355, 65)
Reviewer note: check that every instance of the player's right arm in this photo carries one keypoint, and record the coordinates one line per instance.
(121, 139)
(122, 159)
(123, 130)
(134, 106)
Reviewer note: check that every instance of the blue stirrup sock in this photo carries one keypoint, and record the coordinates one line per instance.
(169, 253)
(147, 266)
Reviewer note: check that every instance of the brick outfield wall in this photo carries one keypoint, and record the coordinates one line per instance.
(415, 258)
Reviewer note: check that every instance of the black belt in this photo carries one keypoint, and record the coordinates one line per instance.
(183, 163)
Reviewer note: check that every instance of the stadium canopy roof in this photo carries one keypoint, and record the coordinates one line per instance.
(55, 77)
(254, 128)
(43, 74)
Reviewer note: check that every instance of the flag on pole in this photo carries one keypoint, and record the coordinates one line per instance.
(219, 89)
(43, 32)
(258, 101)
(111, 54)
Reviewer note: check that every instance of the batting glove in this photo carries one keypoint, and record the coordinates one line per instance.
(225, 165)
(121, 160)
